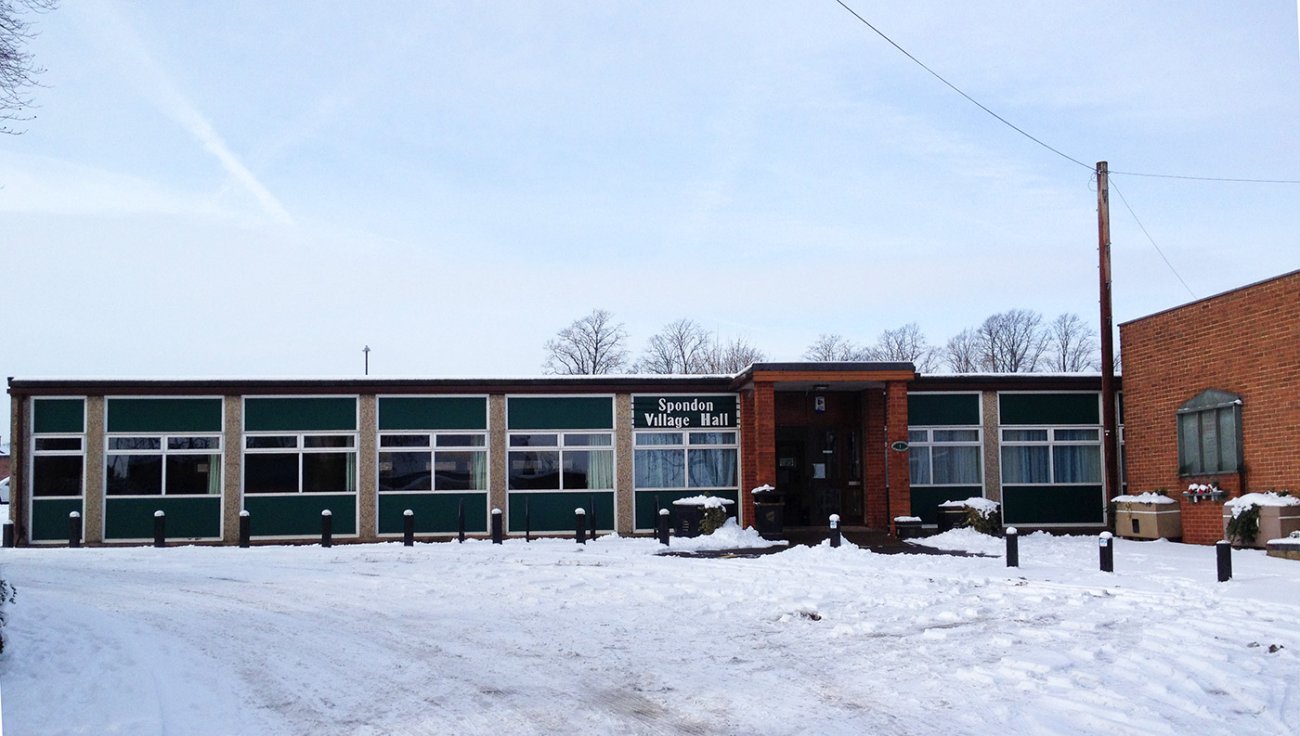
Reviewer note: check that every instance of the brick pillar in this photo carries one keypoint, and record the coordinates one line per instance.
(874, 449)
(758, 445)
(900, 471)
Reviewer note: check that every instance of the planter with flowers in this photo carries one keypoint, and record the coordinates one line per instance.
(1198, 492)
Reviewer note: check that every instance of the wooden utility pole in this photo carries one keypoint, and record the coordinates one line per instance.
(1110, 427)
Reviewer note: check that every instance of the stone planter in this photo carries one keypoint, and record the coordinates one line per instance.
(1275, 522)
(1148, 516)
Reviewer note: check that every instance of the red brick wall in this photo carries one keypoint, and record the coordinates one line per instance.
(758, 448)
(900, 471)
(1247, 342)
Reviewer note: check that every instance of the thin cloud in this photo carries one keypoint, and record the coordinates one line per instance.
(113, 30)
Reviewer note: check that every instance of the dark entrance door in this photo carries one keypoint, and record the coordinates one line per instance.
(819, 470)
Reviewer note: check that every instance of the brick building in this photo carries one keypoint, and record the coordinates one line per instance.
(1212, 395)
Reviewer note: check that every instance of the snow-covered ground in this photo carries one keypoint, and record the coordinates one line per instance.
(609, 638)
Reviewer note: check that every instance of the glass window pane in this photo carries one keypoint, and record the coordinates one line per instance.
(1077, 435)
(712, 468)
(129, 443)
(193, 475)
(588, 440)
(1077, 463)
(462, 440)
(193, 443)
(534, 440)
(659, 468)
(333, 440)
(646, 439)
(270, 442)
(956, 435)
(918, 435)
(133, 475)
(1025, 464)
(1189, 444)
(460, 471)
(919, 460)
(588, 470)
(329, 472)
(406, 471)
(58, 443)
(1024, 435)
(271, 472)
(1209, 442)
(1227, 439)
(56, 475)
(956, 464)
(404, 440)
(713, 438)
(530, 471)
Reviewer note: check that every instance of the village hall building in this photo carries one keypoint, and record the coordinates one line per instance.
(870, 441)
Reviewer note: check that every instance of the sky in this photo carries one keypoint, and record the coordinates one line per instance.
(262, 189)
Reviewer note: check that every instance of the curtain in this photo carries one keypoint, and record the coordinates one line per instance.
(660, 469)
(214, 475)
(1077, 463)
(478, 471)
(712, 468)
(600, 472)
(954, 465)
(919, 460)
(1025, 464)
(351, 480)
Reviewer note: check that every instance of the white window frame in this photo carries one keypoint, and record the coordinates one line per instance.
(685, 447)
(561, 447)
(432, 450)
(1051, 443)
(929, 442)
(300, 449)
(163, 452)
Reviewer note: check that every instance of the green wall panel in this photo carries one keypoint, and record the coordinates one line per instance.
(306, 414)
(685, 411)
(583, 412)
(164, 415)
(553, 512)
(647, 514)
(432, 412)
(924, 410)
(50, 518)
(299, 515)
(187, 518)
(926, 499)
(435, 513)
(59, 415)
(1053, 409)
(1032, 505)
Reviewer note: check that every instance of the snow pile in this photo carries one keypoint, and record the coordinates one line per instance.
(1148, 497)
(984, 506)
(1268, 498)
(906, 519)
(708, 502)
(727, 536)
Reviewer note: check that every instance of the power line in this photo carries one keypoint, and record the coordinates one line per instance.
(1053, 149)
(1129, 207)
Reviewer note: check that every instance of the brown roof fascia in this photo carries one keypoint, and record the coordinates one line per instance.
(172, 387)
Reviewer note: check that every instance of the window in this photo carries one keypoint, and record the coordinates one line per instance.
(433, 462)
(945, 456)
(1043, 455)
(568, 461)
(57, 465)
(1209, 434)
(300, 463)
(168, 465)
(668, 460)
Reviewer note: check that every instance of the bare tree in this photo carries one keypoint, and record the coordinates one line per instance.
(17, 72)
(683, 346)
(834, 348)
(1074, 344)
(592, 345)
(906, 344)
(1012, 342)
(962, 353)
(733, 356)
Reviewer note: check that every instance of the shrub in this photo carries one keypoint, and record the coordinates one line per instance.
(1243, 525)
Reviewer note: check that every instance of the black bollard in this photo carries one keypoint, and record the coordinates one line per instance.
(1013, 547)
(245, 528)
(326, 528)
(835, 530)
(159, 528)
(408, 528)
(498, 534)
(528, 522)
(8, 533)
(580, 522)
(74, 529)
(1106, 546)
(460, 522)
(664, 526)
(1223, 555)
